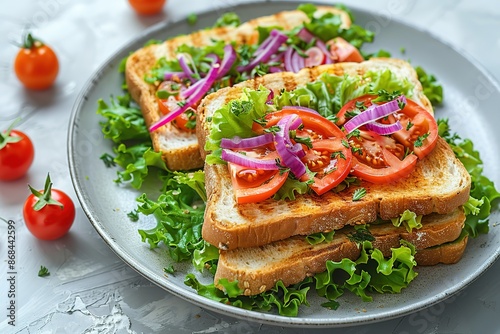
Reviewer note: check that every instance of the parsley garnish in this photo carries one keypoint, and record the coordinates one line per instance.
(357, 150)
(420, 140)
(108, 160)
(133, 215)
(169, 270)
(354, 133)
(409, 125)
(358, 194)
(272, 129)
(192, 19)
(43, 272)
(337, 154)
(385, 96)
(360, 234)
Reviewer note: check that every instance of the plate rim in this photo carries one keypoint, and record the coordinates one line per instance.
(191, 296)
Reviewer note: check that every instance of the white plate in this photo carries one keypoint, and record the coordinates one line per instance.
(470, 103)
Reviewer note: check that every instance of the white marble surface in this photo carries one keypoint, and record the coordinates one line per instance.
(90, 290)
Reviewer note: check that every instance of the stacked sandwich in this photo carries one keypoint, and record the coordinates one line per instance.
(265, 241)
(301, 139)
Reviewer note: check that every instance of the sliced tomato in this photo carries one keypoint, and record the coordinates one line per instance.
(343, 51)
(328, 157)
(170, 101)
(251, 185)
(331, 161)
(315, 57)
(419, 133)
(382, 159)
(379, 164)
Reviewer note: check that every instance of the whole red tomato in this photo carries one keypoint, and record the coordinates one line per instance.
(147, 7)
(16, 154)
(48, 214)
(36, 65)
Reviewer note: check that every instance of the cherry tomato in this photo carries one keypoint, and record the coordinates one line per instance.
(49, 213)
(16, 154)
(36, 65)
(329, 158)
(251, 185)
(315, 57)
(168, 99)
(382, 159)
(343, 51)
(147, 7)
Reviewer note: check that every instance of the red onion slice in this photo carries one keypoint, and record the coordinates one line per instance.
(195, 97)
(277, 38)
(305, 35)
(298, 62)
(246, 161)
(185, 67)
(306, 109)
(252, 142)
(287, 60)
(227, 61)
(384, 129)
(324, 49)
(285, 148)
(373, 113)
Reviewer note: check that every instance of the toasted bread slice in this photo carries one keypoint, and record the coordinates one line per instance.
(439, 183)
(180, 149)
(257, 269)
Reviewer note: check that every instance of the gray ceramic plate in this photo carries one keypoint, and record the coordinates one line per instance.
(471, 101)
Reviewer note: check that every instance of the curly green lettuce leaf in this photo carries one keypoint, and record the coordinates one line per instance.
(229, 19)
(123, 120)
(236, 119)
(286, 300)
(320, 237)
(196, 54)
(432, 88)
(409, 220)
(195, 180)
(291, 188)
(179, 217)
(371, 272)
(136, 161)
(206, 258)
(483, 191)
(329, 26)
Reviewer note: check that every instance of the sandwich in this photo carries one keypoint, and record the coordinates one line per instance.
(351, 152)
(167, 80)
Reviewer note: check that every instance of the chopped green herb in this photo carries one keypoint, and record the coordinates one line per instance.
(358, 194)
(43, 272)
(108, 160)
(337, 154)
(360, 234)
(133, 215)
(420, 140)
(192, 19)
(354, 133)
(169, 270)
(409, 125)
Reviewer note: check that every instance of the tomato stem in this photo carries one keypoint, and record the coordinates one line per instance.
(30, 42)
(45, 197)
(6, 138)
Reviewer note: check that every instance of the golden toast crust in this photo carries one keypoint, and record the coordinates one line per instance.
(257, 269)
